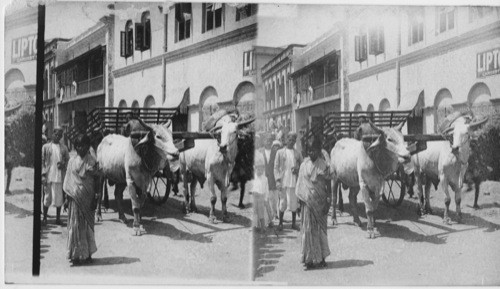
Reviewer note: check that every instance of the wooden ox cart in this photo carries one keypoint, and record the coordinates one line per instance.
(106, 120)
(340, 124)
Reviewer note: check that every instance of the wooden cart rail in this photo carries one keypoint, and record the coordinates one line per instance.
(339, 124)
(112, 119)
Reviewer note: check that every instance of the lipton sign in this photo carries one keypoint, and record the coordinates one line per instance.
(488, 63)
(24, 48)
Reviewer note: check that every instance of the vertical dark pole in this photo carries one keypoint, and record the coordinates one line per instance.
(38, 139)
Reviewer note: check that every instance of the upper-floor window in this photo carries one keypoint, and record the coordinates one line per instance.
(377, 42)
(360, 46)
(143, 33)
(248, 63)
(127, 40)
(416, 28)
(183, 16)
(479, 12)
(212, 16)
(245, 10)
(446, 19)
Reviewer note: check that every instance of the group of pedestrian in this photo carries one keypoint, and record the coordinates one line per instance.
(284, 180)
(71, 183)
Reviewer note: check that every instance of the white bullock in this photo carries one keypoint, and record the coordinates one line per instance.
(133, 167)
(211, 161)
(445, 163)
(367, 170)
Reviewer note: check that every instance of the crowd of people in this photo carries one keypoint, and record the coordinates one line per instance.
(284, 180)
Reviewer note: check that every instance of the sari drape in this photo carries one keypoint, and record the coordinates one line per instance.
(312, 191)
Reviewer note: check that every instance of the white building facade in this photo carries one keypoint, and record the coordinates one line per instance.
(437, 59)
(199, 54)
(20, 44)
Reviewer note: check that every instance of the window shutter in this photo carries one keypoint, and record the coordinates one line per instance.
(381, 40)
(253, 9)
(410, 28)
(139, 36)
(147, 35)
(123, 44)
(204, 17)
(357, 54)
(363, 47)
(130, 43)
(373, 41)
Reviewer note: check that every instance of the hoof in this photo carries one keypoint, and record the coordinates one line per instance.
(226, 219)
(357, 223)
(295, 227)
(476, 207)
(280, 227)
(334, 221)
(193, 209)
(241, 206)
(371, 234)
(376, 232)
(98, 218)
(137, 231)
(212, 220)
(447, 220)
(123, 219)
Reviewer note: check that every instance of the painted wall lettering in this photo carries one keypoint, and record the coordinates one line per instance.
(24, 48)
(488, 63)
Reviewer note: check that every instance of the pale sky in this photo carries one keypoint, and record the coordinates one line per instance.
(67, 19)
(281, 25)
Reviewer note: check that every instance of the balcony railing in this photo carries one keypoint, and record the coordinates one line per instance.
(90, 85)
(326, 90)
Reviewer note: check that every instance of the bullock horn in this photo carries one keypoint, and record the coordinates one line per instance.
(400, 126)
(477, 123)
(448, 130)
(145, 125)
(168, 123)
(245, 122)
(215, 128)
(376, 128)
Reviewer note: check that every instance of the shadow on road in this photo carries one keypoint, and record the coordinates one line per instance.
(386, 217)
(348, 263)
(266, 255)
(168, 210)
(13, 209)
(167, 230)
(110, 261)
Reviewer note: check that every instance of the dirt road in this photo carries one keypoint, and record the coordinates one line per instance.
(177, 248)
(411, 250)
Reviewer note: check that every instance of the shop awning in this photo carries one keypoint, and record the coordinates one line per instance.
(174, 101)
(409, 101)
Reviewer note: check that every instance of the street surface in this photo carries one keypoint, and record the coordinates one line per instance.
(188, 250)
(410, 251)
(176, 249)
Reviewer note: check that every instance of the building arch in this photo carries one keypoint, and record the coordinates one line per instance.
(12, 76)
(208, 103)
(122, 103)
(479, 92)
(442, 105)
(244, 97)
(149, 101)
(479, 99)
(370, 107)
(358, 107)
(384, 105)
(135, 104)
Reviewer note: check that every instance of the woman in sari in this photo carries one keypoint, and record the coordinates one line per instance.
(79, 185)
(314, 175)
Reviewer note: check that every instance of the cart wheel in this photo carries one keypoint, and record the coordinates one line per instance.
(394, 190)
(156, 187)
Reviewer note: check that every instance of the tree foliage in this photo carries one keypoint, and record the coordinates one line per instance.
(20, 136)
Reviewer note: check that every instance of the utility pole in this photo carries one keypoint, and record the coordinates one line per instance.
(38, 140)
